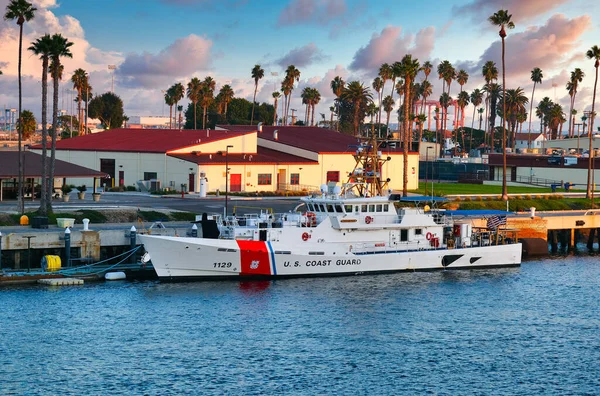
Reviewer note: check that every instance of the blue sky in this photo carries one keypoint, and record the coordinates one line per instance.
(156, 43)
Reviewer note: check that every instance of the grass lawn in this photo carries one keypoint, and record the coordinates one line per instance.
(442, 189)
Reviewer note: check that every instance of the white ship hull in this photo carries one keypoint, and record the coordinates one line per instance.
(178, 258)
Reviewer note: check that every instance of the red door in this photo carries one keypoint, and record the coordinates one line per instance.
(235, 182)
(191, 180)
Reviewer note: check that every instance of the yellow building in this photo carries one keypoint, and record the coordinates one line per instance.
(259, 158)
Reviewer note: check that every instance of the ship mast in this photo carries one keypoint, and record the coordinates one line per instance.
(366, 178)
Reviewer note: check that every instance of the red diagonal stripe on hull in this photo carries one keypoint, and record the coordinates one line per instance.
(254, 257)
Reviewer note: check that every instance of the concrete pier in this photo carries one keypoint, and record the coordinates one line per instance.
(61, 282)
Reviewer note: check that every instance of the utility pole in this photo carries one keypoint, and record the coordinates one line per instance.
(293, 116)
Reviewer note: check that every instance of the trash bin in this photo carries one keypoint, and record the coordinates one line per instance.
(567, 186)
(39, 222)
(553, 187)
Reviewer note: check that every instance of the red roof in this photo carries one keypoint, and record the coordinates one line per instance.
(262, 156)
(32, 164)
(318, 140)
(143, 140)
(525, 136)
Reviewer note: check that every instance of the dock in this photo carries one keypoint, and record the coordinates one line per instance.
(61, 282)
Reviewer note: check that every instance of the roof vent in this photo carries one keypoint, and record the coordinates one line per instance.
(250, 157)
(210, 156)
(259, 127)
(208, 133)
(276, 134)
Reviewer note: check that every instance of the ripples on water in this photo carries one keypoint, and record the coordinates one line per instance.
(531, 330)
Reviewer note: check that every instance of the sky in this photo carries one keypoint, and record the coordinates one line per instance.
(156, 43)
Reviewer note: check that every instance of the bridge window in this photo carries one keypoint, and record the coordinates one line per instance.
(418, 231)
(323, 208)
(338, 209)
(386, 208)
(363, 208)
(403, 235)
(371, 208)
(348, 208)
(378, 208)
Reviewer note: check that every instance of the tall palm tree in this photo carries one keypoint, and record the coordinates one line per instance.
(337, 86)
(305, 96)
(79, 80)
(462, 77)
(556, 116)
(536, 77)
(426, 91)
(372, 112)
(592, 53)
(408, 70)
(257, 73)
(516, 102)
(480, 112)
(170, 101)
(386, 72)
(59, 48)
(503, 19)
(332, 111)
(287, 85)
(541, 111)
(178, 94)
(388, 106)
(276, 95)
(476, 99)
(41, 47)
(357, 94)
(576, 77)
(226, 93)
(395, 74)
(378, 87)
(193, 94)
(20, 11)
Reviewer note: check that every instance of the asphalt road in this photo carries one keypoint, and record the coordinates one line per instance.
(150, 202)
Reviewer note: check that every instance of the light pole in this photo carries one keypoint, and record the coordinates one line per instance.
(227, 178)
(427, 168)
(112, 86)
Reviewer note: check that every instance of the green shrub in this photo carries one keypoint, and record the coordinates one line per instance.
(131, 188)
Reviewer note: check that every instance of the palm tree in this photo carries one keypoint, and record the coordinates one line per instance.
(445, 102)
(576, 77)
(257, 73)
(292, 74)
(315, 99)
(388, 106)
(462, 77)
(337, 86)
(206, 98)
(536, 77)
(426, 91)
(226, 93)
(305, 96)
(287, 85)
(592, 53)
(193, 94)
(41, 47)
(27, 124)
(395, 74)
(357, 94)
(502, 19)
(59, 48)
(178, 94)
(480, 112)
(490, 73)
(21, 11)
(409, 68)
(170, 101)
(378, 87)
(541, 110)
(476, 99)
(276, 95)
(515, 101)
(332, 111)
(462, 101)
(556, 116)
(79, 80)
(372, 110)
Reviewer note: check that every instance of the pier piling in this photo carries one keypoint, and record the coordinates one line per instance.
(67, 247)
(194, 231)
(132, 244)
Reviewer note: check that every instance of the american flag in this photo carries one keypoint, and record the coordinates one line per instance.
(495, 221)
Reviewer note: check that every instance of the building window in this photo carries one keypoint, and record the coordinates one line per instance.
(150, 175)
(264, 179)
(295, 178)
(333, 176)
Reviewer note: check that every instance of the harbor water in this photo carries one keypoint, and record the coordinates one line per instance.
(528, 330)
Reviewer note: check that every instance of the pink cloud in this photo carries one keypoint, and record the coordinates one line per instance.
(299, 12)
(521, 10)
(390, 46)
(302, 56)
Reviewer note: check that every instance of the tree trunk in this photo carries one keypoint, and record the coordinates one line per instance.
(590, 183)
(275, 114)
(170, 116)
(570, 114)
(312, 121)
(195, 105)
(504, 186)
(79, 113)
(253, 101)
(203, 117)
(54, 129)
(406, 139)
(44, 193)
(20, 201)
(530, 115)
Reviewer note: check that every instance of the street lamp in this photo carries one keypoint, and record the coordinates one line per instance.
(227, 177)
